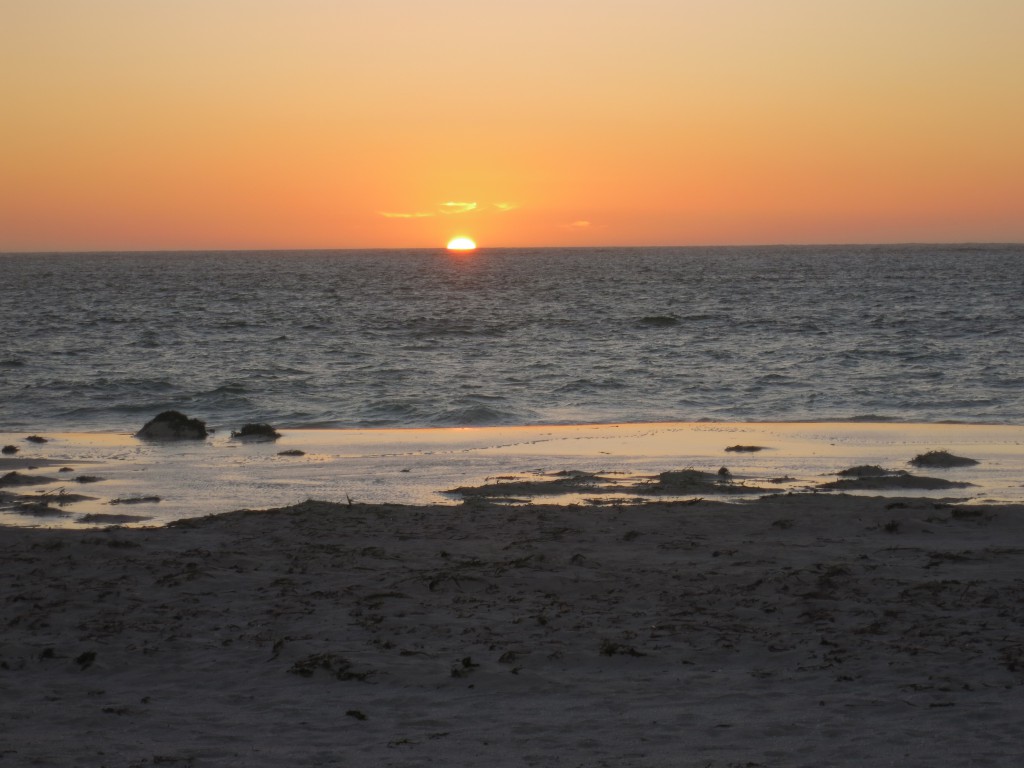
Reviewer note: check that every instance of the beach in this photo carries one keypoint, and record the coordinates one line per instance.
(528, 385)
(714, 622)
(796, 630)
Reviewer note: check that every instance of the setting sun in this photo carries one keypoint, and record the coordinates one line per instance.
(461, 244)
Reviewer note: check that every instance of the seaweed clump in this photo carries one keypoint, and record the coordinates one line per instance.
(690, 481)
(941, 460)
(868, 470)
(18, 478)
(565, 482)
(874, 478)
(256, 432)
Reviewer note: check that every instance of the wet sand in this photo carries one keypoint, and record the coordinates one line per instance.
(417, 466)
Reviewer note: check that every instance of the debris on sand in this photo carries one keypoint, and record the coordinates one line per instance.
(112, 519)
(291, 452)
(19, 478)
(256, 432)
(683, 482)
(568, 482)
(9, 450)
(874, 478)
(38, 509)
(691, 481)
(744, 448)
(62, 497)
(867, 470)
(941, 460)
(135, 500)
(35, 439)
(173, 425)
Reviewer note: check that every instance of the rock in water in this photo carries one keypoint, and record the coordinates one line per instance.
(172, 425)
(256, 432)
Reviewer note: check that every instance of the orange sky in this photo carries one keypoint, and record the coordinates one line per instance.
(401, 123)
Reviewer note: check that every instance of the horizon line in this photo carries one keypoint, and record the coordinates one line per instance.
(515, 247)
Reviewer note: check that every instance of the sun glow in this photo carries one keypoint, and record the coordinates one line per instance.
(461, 244)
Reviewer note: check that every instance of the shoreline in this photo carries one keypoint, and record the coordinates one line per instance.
(418, 466)
(813, 629)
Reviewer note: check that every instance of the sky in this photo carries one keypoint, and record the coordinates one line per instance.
(237, 124)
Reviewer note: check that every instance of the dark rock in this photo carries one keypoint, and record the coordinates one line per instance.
(172, 425)
(256, 432)
(35, 439)
(9, 450)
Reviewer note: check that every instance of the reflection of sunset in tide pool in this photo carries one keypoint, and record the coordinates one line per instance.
(461, 244)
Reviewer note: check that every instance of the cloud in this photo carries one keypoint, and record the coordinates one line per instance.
(450, 207)
(579, 224)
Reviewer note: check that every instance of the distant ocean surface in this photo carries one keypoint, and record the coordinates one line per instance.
(102, 342)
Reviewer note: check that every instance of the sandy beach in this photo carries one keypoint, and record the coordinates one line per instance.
(796, 630)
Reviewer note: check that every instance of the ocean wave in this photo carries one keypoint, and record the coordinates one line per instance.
(658, 321)
(867, 418)
(589, 386)
(232, 388)
(424, 328)
(478, 415)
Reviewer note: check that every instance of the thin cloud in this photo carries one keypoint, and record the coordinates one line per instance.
(579, 224)
(452, 207)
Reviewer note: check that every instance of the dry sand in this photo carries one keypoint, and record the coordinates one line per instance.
(799, 630)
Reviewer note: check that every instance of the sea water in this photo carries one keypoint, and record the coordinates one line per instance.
(423, 338)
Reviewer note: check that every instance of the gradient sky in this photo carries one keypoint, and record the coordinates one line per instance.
(182, 124)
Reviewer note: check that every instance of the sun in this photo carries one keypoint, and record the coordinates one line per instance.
(461, 244)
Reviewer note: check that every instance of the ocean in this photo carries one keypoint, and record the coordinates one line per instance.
(424, 338)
